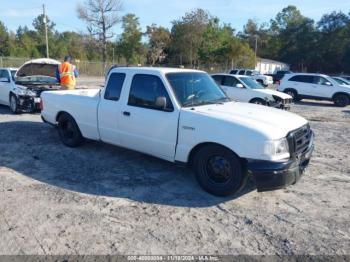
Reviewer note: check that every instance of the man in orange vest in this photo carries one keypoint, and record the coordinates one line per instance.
(67, 74)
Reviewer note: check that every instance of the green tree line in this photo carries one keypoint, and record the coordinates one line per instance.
(199, 39)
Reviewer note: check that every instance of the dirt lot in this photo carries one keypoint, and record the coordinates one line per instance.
(100, 199)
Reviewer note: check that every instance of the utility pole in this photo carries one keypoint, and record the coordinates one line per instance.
(256, 47)
(46, 38)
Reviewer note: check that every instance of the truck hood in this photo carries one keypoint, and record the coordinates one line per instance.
(273, 93)
(38, 67)
(273, 123)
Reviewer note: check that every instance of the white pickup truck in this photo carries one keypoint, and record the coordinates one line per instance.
(183, 116)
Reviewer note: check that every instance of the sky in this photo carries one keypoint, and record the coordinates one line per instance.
(161, 12)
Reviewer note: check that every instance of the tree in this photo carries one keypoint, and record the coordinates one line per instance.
(39, 26)
(159, 40)
(187, 35)
(101, 16)
(5, 45)
(130, 41)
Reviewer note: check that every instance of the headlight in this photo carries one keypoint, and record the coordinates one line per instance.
(30, 93)
(277, 149)
(21, 92)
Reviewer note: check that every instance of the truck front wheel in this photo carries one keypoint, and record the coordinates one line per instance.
(218, 170)
(69, 131)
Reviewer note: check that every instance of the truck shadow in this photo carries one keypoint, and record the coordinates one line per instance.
(34, 150)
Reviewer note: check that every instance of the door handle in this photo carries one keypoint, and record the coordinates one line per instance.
(126, 113)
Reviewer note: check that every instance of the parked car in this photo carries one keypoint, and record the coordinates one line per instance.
(346, 77)
(262, 79)
(315, 86)
(20, 89)
(277, 77)
(183, 116)
(246, 89)
(341, 81)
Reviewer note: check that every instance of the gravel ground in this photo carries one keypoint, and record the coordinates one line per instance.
(100, 199)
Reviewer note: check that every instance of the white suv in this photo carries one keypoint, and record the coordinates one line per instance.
(262, 79)
(315, 86)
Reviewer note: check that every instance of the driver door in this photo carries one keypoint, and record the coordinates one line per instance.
(5, 86)
(234, 89)
(143, 126)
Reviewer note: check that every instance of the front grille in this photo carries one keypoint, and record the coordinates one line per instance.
(299, 140)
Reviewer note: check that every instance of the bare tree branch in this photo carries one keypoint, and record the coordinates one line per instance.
(101, 16)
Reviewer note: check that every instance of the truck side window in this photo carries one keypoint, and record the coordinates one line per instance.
(114, 86)
(144, 91)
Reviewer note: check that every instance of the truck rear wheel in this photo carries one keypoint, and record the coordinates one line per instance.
(69, 131)
(218, 170)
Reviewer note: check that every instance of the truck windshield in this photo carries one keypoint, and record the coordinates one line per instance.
(195, 89)
(251, 83)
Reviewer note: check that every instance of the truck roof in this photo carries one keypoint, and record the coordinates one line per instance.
(163, 70)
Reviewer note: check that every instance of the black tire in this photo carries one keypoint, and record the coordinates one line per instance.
(13, 101)
(293, 94)
(341, 100)
(218, 170)
(69, 131)
(258, 101)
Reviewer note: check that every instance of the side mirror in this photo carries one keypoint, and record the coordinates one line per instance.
(239, 86)
(161, 102)
(328, 84)
(4, 80)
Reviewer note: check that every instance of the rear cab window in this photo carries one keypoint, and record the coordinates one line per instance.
(144, 91)
(114, 86)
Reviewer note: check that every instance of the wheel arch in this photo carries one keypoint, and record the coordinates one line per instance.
(290, 89)
(258, 98)
(12, 93)
(196, 148)
(62, 113)
(341, 93)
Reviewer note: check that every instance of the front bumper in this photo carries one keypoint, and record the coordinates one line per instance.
(270, 176)
(279, 105)
(29, 103)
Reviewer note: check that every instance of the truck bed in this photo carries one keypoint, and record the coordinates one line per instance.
(81, 104)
